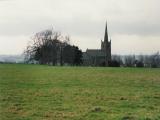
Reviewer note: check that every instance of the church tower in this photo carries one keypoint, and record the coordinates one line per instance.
(106, 47)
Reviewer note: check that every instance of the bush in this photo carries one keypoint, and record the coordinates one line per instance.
(139, 64)
(114, 63)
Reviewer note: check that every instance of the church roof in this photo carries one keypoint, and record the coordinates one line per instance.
(93, 53)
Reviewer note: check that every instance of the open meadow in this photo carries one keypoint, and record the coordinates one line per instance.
(39, 92)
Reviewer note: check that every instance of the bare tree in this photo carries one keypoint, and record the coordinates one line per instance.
(44, 47)
(129, 60)
(155, 60)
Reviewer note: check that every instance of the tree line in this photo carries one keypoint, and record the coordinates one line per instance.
(50, 47)
(136, 60)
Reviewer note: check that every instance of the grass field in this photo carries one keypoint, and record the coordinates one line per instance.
(34, 92)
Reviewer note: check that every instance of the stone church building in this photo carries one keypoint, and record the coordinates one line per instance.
(99, 57)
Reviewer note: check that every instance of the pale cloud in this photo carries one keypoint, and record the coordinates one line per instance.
(135, 44)
(11, 45)
(84, 21)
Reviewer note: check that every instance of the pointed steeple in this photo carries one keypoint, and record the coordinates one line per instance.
(106, 34)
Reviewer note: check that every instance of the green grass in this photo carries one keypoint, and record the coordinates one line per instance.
(37, 92)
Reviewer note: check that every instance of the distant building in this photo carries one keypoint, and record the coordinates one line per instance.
(99, 57)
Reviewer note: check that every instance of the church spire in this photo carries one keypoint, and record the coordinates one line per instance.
(106, 34)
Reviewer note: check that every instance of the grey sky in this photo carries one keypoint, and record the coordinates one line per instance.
(133, 25)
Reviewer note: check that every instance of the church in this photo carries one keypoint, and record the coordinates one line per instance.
(99, 57)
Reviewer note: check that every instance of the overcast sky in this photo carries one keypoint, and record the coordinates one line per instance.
(133, 25)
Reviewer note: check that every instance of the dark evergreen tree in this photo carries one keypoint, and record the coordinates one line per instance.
(78, 56)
